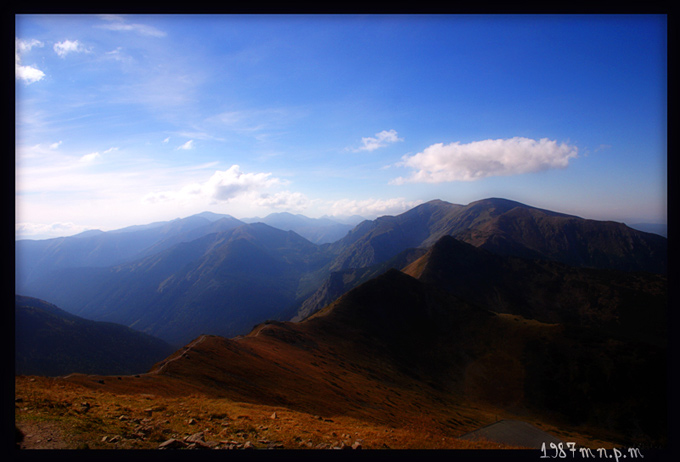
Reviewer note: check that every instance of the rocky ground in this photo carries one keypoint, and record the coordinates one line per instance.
(53, 414)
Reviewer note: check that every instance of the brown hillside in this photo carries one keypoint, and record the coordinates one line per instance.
(393, 352)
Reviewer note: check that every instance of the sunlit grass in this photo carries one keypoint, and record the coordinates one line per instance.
(143, 421)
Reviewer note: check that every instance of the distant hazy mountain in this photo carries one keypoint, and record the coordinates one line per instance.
(351, 220)
(207, 274)
(656, 228)
(50, 341)
(35, 258)
(317, 230)
(222, 283)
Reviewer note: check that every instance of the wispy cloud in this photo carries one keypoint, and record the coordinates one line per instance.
(259, 123)
(119, 23)
(96, 155)
(90, 157)
(187, 146)
(480, 159)
(380, 140)
(28, 74)
(22, 46)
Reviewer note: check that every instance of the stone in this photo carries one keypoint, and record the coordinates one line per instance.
(172, 443)
(196, 438)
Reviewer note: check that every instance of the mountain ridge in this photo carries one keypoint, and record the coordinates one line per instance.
(159, 289)
(396, 347)
(225, 280)
(506, 227)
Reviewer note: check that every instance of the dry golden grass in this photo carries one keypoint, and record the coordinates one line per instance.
(230, 389)
(327, 382)
(54, 413)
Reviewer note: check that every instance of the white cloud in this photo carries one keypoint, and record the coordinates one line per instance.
(55, 145)
(22, 46)
(223, 186)
(28, 74)
(371, 208)
(480, 159)
(90, 157)
(96, 155)
(228, 184)
(69, 46)
(380, 140)
(187, 146)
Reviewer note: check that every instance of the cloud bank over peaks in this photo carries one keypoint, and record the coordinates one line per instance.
(480, 159)
(47, 231)
(371, 208)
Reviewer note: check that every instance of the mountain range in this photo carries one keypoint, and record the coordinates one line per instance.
(317, 230)
(217, 275)
(439, 316)
(400, 348)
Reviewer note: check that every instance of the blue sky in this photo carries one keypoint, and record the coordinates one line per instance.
(124, 120)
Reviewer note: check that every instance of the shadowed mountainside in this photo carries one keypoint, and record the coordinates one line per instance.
(630, 305)
(501, 226)
(397, 348)
(50, 341)
(508, 228)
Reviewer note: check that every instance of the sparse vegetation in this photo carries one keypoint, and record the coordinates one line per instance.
(144, 421)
